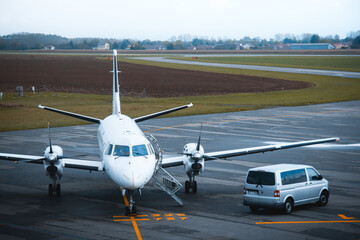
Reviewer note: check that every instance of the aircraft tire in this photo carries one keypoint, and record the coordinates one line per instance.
(194, 187)
(187, 186)
(58, 190)
(127, 211)
(51, 190)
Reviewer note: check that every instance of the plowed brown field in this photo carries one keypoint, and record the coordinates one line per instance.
(89, 74)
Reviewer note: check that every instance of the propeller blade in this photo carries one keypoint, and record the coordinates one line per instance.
(51, 150)
(198, 144)
(211, 158)
(75, 156)
(30, 160)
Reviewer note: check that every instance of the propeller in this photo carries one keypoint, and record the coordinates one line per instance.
(51, 150)
(198, 144)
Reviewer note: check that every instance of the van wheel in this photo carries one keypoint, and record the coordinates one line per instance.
(324, 198)
(254, 209)
(288, 206)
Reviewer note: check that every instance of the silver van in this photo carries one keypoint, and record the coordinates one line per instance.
(284, 186)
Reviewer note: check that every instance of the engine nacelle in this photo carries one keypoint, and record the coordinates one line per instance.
(54, 156)
(53, 165)
(194, 163)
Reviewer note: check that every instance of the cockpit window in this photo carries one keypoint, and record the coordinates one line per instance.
(139, 150)
(109, 150)
(122, 151)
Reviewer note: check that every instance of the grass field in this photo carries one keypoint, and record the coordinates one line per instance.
(22, 113)
(338, 63)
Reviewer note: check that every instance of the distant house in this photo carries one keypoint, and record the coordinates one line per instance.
(341, 46)
(281, 46)
(102, 46)
(248, 46)
(49, 47)
(311, 46)
(204, 47)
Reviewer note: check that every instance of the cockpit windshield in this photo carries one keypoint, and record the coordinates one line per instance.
(139, 150)
(122, 151)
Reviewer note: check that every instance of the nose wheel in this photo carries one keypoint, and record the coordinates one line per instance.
(191, 185)
(54, 189)
(131, 209)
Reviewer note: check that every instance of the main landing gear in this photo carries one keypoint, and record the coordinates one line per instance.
(191, 184)
(131, 209)
(54, 189)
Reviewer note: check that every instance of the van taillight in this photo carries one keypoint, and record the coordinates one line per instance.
(277, 193)
(244, 190)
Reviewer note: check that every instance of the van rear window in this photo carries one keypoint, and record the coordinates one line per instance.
(261, 178)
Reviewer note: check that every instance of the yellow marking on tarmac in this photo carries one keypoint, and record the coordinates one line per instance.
(252, 118)
(132, 219)
(345, 217)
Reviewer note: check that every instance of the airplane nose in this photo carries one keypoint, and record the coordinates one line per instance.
(132, 175)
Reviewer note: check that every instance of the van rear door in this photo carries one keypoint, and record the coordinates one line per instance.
(261, 184)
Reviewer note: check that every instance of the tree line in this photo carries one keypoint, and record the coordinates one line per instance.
(28, 41)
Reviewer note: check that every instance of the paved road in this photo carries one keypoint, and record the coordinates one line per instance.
(253, 67)
(91, 202)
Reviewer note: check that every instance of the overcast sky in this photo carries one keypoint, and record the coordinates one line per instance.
(162, 19)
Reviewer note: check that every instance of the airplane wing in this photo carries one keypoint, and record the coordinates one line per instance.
(178, 160)
(83, 164)
(67, 162)
(146, 117)
(75, 115)
(21, 157)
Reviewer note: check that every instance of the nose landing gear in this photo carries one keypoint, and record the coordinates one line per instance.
(131, 209)
(191, 184)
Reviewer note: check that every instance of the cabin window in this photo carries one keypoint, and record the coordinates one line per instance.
(109, 150)
(139, 150)
(122, 151)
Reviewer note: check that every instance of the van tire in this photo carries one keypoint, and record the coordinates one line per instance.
(253, 209)
(288, 206)
(323, 199)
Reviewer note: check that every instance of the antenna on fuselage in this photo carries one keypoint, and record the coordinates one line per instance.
(116, 87)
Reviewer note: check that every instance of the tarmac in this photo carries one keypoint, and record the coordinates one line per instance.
(91, 205)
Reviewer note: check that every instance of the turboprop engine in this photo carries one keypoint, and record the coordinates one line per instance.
(52, 161)
(195, 161)
(53, 165)
(52, 153)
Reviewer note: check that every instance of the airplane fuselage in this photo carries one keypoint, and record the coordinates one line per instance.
(127, 155)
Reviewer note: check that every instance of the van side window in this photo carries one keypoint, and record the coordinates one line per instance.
(109, 150)
(293, 176)
(312, 173)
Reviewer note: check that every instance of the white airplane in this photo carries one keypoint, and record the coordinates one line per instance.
(132, 159)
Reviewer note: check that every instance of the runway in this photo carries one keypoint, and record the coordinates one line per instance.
(91, 205)
(254, 67)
